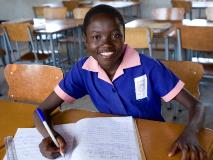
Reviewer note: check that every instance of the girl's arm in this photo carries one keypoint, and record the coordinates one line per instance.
(188, 142)
(47, 147)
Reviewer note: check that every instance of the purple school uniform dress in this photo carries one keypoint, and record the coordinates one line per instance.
(137, 88)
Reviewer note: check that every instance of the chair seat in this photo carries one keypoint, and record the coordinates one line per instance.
(30, 56)
(2, 52)
(208, 68)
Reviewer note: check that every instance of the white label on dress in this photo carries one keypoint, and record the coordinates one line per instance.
(141, 87)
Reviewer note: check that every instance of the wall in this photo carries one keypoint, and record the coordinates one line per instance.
(148, 5)
(12, 9)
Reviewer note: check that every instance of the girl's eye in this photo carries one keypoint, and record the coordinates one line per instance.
(116, 36)
(96, 37)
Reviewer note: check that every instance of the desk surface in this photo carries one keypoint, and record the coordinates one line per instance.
(115, 4)
(201, 4)
(159, 28)
(14, 115)
(156, 137)
(57, 25)
(197, 22)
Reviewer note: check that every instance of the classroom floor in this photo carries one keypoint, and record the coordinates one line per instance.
(206, 90)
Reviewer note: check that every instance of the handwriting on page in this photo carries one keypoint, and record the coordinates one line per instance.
(110, 138)
(106, 138)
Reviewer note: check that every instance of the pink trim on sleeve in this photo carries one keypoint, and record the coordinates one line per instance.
(63, 95)
(169, 96)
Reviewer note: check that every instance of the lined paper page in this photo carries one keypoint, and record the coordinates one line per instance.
(27, 142)
(110, 138)
(106, 139)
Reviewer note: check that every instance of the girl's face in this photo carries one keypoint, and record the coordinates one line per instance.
(105, 40)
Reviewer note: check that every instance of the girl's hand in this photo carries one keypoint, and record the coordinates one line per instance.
(49, 150)
(188, 144)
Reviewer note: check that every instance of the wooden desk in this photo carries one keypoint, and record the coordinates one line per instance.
(52, 27)
(115, 4)
(12, 116)
(197, 22)
(201, 4)
(156, 137)
(120, 5)
(161, 29)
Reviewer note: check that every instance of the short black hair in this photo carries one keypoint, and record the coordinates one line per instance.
(102, 9)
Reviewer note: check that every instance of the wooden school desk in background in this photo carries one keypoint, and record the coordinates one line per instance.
(156, 137)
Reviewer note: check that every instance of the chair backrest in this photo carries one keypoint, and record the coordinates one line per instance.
(18, 31)
(79, 13)
(189, 72)
(196, 38)
(168, 14)
(39, 11)
(186, 5)
(209, 14)
(70, 5)
(31, 82)
(55, 12)
(138, 37)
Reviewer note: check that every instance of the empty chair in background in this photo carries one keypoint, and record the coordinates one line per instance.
(55, 13)
(21, 43)
(186, 5)
(209, 14)
(74, 42)
(139, 38)
(79, 13)
(39, 11)
(168, 14)
(197, 40)
(190, 73)
(31, 82)
(70, 5)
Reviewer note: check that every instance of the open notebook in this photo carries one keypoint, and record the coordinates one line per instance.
(104, 138)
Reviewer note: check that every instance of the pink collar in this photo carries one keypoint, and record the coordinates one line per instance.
(131, 59)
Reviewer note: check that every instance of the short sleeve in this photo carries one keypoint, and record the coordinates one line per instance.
(72, 86)
(165, 82)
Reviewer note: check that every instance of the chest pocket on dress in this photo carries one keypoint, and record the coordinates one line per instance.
(140, 87)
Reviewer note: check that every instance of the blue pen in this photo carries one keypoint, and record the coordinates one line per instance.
(42, 118)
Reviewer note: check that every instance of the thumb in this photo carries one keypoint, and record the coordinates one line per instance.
(173, 150)
(61, 142)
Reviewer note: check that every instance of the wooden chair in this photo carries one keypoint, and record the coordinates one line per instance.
(20, 34)
(39, 11)
(196, 40)
(31, 82)
(168, 14)
(209, 14)
(55, 13)
(139, 38)
(71, 5)
(79, 13)
(74, 43)
(190, 73)
(186, 5)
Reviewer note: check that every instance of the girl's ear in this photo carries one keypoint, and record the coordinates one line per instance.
(84, 38)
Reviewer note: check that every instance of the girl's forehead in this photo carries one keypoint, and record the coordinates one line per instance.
(103, 20)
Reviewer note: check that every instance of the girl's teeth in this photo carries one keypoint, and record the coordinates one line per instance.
(106, 53)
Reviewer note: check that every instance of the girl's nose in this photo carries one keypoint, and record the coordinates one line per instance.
(107, 40)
